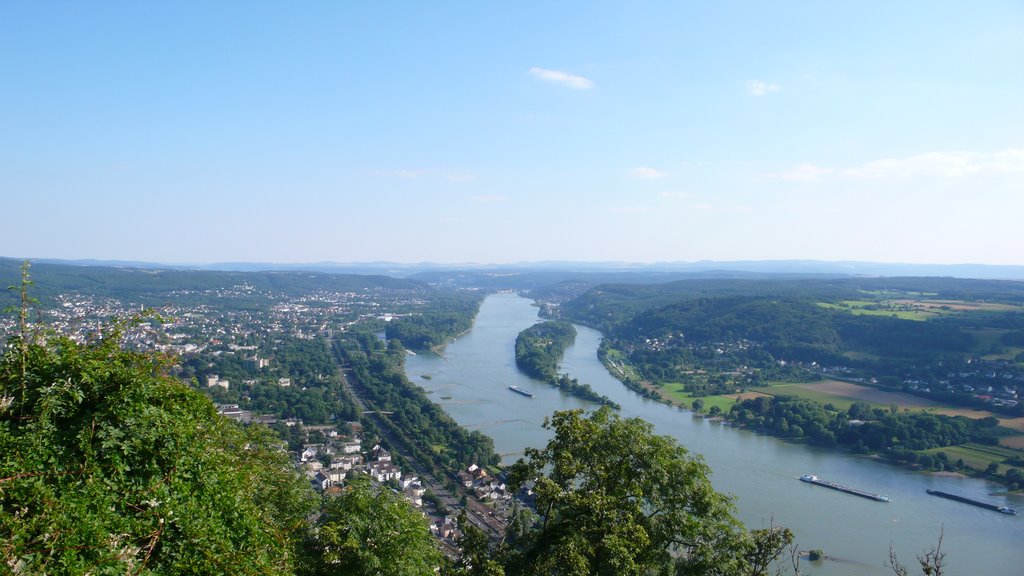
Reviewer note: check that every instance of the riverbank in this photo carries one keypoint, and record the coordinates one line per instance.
(439, 348)
(758, 469)
(990, 463)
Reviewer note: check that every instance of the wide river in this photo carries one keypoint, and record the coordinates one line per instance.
(471, 382)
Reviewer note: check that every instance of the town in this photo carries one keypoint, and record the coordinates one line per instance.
(262, 356)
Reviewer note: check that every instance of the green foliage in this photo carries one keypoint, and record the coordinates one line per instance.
(377, 371)
(788, 328)
(895, 337)
(371, 532)
(713, 336)
(315, 395)
(615, 498)
(109, 466)
(609, 305)
(477, 557)
(540, 348)
(894, 433)
(162, 286)
(446, 318)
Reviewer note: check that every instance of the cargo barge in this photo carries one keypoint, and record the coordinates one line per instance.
(519, 390)
(812, 479)
(973, 502)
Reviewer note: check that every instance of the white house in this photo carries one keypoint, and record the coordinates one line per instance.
(384, 471)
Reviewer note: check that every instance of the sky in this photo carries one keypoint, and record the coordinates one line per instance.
(458, 132)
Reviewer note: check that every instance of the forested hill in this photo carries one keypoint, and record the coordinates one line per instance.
(786, 325)
(609, 305)
(795, 329)
(159, 286)
(942, 338)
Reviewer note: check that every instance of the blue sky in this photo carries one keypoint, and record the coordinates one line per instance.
(469, 132)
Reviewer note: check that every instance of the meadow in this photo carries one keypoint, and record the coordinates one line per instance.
(978, 456)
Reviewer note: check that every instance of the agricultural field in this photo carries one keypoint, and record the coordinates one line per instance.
(882, 308)
(898, 293)
(1015, 424)
(1014, 442)
(947, 306)
(674, 392)
(619, 365)
(917, 309)
(874, 396)
(798, 391)
(978, 456)
(842, 394)
(745, 396)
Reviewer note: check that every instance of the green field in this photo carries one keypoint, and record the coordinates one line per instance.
(977, 456)
(875, 397)
(897, 293)
(789, 389)
(674, 390)
(861, 355)
(620, 361)
(863, 307)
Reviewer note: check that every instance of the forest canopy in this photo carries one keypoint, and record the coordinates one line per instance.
(109, 466)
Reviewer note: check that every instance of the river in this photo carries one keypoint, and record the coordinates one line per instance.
(470, 380)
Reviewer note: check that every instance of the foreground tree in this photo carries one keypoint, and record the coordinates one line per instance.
(109, 466)
(614, 498)
(368, 531)
(477, 557)
(932, 561)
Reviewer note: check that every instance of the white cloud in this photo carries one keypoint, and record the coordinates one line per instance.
(645, 173)
(676, 195)
(926, 165)
(942, 165)
(760, 87)
(562, 78)
(460, 177)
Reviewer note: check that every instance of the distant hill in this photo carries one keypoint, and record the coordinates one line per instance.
(538, 269)
(607, 305)
(162, 285)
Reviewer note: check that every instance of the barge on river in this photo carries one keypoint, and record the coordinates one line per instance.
(978, 503)
(812, 479)
(519, 390)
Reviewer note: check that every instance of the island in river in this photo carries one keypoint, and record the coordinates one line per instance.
(539, 349)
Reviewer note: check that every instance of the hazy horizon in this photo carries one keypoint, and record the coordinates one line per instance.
(462, 133)
(705, 264)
